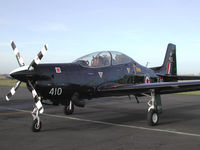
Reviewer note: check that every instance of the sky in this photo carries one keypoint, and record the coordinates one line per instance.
(73, 28)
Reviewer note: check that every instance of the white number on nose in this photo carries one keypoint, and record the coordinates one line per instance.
(55, 91)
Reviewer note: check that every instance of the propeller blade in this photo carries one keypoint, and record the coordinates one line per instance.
(38, 58)
(17, 54)
(36, 98)
(13, 90)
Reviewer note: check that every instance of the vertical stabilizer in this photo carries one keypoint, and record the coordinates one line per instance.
(169, 66)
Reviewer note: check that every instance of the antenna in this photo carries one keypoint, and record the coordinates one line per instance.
(147, 64)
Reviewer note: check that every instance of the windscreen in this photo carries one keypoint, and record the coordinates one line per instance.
(119, 58)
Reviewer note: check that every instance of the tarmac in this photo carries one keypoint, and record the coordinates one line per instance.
(114, 123)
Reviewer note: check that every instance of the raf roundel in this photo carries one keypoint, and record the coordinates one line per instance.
(147, 80)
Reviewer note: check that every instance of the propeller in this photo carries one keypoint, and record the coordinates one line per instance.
(38, 58)
(24, 68)
(13, 90)
(17, 54)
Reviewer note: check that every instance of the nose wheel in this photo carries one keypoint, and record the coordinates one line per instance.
(36, 125)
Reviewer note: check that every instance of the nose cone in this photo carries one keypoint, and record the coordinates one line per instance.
(13, 75)
(19, 73)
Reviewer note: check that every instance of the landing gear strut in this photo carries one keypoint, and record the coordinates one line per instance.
(37, 124)
(155, 109)
(69, 108)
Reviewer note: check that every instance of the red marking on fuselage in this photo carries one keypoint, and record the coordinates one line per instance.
(58, 70)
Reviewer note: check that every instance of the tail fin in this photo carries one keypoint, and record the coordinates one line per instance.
(168, 71)
(169, 66)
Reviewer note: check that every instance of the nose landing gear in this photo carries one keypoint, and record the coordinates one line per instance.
(37, 124)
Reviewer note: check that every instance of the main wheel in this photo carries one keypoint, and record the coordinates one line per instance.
(68, 110)
(35, 126)
(152, 117)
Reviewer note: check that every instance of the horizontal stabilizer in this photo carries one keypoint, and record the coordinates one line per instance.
(178, 77)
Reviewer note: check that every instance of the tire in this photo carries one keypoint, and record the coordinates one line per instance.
(35, 127)
(69, 111)
(152, 117)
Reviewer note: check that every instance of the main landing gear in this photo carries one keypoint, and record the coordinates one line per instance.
(69, 108)
(155, 109)
(37, 124)
(75, 100)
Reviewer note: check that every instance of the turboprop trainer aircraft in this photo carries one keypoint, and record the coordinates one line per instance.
(99, 74)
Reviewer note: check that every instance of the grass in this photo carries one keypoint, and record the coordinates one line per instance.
(9, 82)
(190, 93)
(12, 82)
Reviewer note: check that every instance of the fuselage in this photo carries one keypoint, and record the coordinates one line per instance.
(58, 82)
(72, 77)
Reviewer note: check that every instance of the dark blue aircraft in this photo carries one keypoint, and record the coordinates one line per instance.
(99, 74)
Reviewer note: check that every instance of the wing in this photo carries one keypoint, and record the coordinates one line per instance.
(160, 88)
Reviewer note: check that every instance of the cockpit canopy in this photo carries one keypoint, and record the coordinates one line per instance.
(103, 59)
